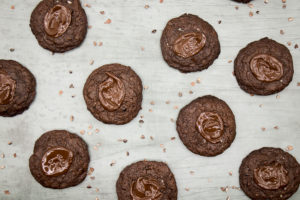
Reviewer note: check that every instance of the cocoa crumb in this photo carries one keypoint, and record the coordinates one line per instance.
(289, 148)
(152, 103)
(219, 22)
(236, 7)
(12, 7)
(127, 153)
(71, 86)
(88, 187)
(296, 46)
(230, 173)
(142, 137)
(89, 26)
(9, 143)
(7, 192)
(71, 118)
(11, 49)
(125, 140)
(168, 102)
(192, 83)
(153, 31)
(161, 1)
(108, 21)
(290, 19)
(82, 132)
(281, 32)
(284, 6)
(112, 163)
(173, 138)
(298, 84)
(102, 12)
(180, 94)
(257, 12)
(172, 120)
(15, 155)
(263, 128)
(141, 121)
(100, 44)
(92, 177)
(276, 127)
(146, 6)
(87, 5)
(191, 92)
(151, 138)
(187, 189)
(250, 13)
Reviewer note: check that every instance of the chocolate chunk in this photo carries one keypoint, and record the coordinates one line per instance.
(206, 126)
(60, 25)
(264, 67)
(189, 43)
(269, 173)
(17, 88)
(146, 180)
(113, 94)
(60, 159)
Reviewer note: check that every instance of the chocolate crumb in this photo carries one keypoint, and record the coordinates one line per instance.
(108, 21)
(263, 128)
(88, 187)
(71, 86)
(236, 7)
(289, 148)
(70, 72)
(257, 12)
(102, 12)
(146, 6)
(198, 80)
(284, 6)
(152, 103)
(230, 173)
(11, 49)
(173, 138)
(296, 46)
(298, 84)
(112, 163)
(187, 189)
(164, 150)
(276, 127)
(281, 32)
(180, 94)
(142, 137)
(141, 121)
(125, 140)
(219, 22)
(127, 153)
(154, 31)
(92, 177)
(250, 13)
(9, 143)
(191, 92)
(290, 19)
(151, 137)
(192, 172)
(15, 155)
(7, 192)
(2, 167)
(172, 120)
(168, 102)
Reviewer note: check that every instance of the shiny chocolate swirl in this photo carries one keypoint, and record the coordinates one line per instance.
(210, 126)
(57, 161)
(189, 44)
(271, 177)
(145, 189)
(266, 68)
(57, 20)
(7, 88)
(111, 92)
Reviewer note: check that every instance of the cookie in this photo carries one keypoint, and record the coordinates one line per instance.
(60, 159)
(269, 173)
(243, 1)
(59, 25)
(146, 180)
(113, 94)
(17, 88)
(189, 44)
(206, 126)
(264, 67)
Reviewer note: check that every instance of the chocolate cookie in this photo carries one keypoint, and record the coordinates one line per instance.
(60, 159)
(206, 126)
(113, 94)
(59, 25)
(269, 173)
(189, 44)
(17, 88)
(264, 67)
(146, 180)
(243, 1)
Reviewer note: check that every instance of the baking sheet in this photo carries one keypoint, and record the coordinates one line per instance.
(129, 40)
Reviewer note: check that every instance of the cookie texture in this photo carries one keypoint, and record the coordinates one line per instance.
(149, 180)
(59, 26)
(17, 88)
(113, 94)
(243, 1)
(189, 44)
(269, 173)
(206, 126)
(264, 67)
(60, 159)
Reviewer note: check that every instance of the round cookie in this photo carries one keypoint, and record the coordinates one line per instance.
(113, 94)
(264, 67)
(206, 126)
(189, 44)
(60, 159)
(17, 88)
(243, 1)
(269, 173)
(147, 180)
(59, 25)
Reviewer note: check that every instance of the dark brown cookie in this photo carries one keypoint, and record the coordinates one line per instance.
(148, 180)
(59, 25)
(264, 67)
(189, 44)
(206, 126)
(243, 1)
(113, 94)
(17, 88)
(60, 159)
(269, 173)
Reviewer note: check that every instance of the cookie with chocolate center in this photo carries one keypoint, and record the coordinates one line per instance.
(17, 88)
(113, 94)
(206, 126)
(59, 25)
(264, 67)
(269, 173)
(146, 180)
(60, 159)
(189, 44)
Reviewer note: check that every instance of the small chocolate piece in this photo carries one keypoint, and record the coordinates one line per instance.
(56, 161)
(264, 67)
(113, 94)
(206, 126)
(60, 159)
(146, 180)
(17, 88)
(189, 44)
(269, 173)
(59, 25)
